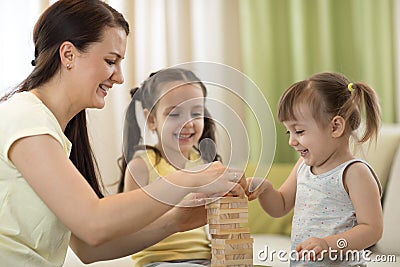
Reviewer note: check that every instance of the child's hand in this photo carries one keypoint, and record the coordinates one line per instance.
(312, 249)
(256, 186)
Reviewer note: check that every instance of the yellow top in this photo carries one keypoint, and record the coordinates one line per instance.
(192, 244)
(30, 233)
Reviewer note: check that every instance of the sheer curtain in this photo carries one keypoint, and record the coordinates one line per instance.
(16, 46)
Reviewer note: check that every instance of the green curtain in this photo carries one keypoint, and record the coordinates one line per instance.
(285, 41)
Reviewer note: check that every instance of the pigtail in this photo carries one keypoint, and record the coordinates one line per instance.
(361, 99)
(366, 100)
(131, 136)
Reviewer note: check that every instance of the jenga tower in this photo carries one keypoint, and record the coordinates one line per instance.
(231, 244)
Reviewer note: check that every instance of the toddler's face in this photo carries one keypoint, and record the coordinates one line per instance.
(312, 141)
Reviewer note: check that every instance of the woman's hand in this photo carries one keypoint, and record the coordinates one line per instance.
(256, 186)
(189, 214)
(213, 179)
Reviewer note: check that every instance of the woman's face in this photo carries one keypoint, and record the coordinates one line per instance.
(98, 69)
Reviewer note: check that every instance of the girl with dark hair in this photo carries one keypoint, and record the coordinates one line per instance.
(173, 102)
(50, 195)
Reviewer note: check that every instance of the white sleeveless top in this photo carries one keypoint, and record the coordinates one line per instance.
(323, 208)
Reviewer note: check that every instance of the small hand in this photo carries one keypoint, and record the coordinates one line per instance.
(312, 249)
(256, 186)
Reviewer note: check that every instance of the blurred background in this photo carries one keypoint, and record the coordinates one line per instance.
(272, 42)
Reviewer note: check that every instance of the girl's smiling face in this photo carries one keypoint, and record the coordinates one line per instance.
(314, 142)
(178, 118)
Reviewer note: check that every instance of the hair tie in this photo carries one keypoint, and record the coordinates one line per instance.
(135, 94)
(153, 73)
(33, 62)
(350, 87)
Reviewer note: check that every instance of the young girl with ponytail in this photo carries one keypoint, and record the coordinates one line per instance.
(336, 197)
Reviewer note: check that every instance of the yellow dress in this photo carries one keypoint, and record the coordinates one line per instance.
(192, 244)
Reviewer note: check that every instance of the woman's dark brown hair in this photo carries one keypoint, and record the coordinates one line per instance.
(81, 22)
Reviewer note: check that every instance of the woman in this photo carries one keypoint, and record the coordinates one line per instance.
(50, 195)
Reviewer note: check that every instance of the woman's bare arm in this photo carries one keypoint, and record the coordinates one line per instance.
(43, 163)
(175, 220)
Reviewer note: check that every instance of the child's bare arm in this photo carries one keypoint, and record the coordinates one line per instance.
(279, 202)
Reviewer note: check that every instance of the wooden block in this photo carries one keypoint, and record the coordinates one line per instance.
(232, 251)
(229, 215)
(232, 236)
(237, 205)
(225, 221)
(225, 226)
(241, 256)
(232, 257)
(227, 218)
(232, 247)
(218, 231)
(214, 211)
(221, 228)
(236, 231)
(223, 242)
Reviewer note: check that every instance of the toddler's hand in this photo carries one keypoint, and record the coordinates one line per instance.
(312, 249)
(256, 186)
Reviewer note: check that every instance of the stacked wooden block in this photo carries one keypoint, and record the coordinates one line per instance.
(231, 244)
